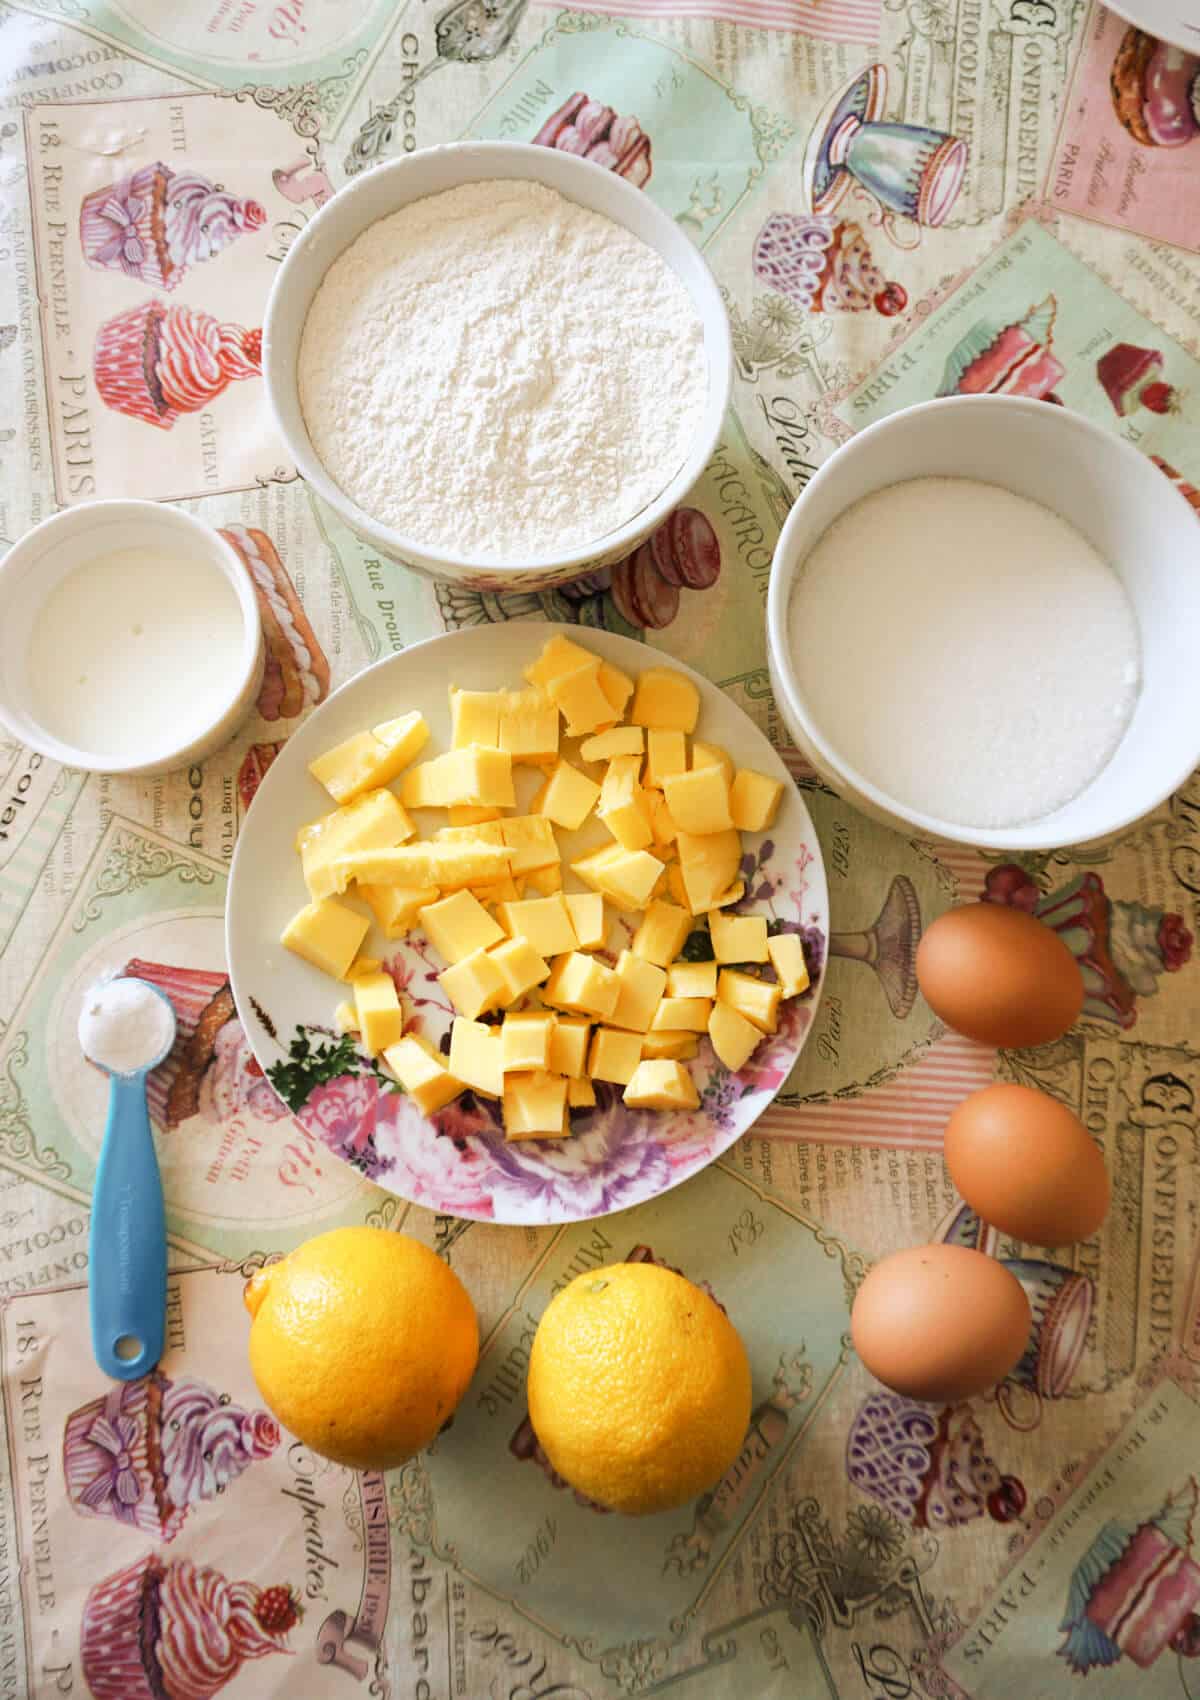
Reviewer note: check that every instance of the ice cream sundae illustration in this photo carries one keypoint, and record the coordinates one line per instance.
(889, 946)
(929, 1468)
(149, 1450)
(1015, 359)
(169, 1629)
(1156, 90)
(823, 267)
(1132, 377)
(594, 131)
(156, 362)
(156, 223)
(1121, 947)
(1135, 1593)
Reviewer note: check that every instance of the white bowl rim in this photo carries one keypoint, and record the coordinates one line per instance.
(43, 535)
(784, 568)
(278, 379)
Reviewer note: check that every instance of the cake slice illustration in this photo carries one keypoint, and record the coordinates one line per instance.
(156, 362)
(296, 676)
(210, 1070)
(929, 1468)
(1135, 1593)
(1132, 377)
(587, 127)
(1013, 359)
(148, 1450)
(170, 1629)
(823, 267)
(1156, 90)
(156, 223)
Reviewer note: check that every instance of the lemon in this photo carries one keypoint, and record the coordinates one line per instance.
(639, 1388)
(362, 1344)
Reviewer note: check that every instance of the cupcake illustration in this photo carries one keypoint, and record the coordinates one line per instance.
(148, 1450)
(155, 362)
(155, 223)
(929, 1468)
(587, 127)
(1014, 359)
(1122, 948)
(296, 675)
(823, 267)
(1135, 1593)
(1156, 90)
(1131, 377)
(168, 1629)
(210, 1070)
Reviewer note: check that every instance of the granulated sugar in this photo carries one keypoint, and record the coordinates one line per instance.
(965, 650)
(500, 373)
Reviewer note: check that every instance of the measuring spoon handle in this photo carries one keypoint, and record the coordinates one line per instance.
(128, 1241)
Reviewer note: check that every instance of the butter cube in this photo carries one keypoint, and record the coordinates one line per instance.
(370, 758)
(568, 1045)
(528, 726)
(662, 932)
(734, 1039)
(712, 755)
(470, 814)
(569, 797)
(622, 807)
(708, 865)
(396, 907)
(662, 824)
(328, 935)
(446, 865)
(757, 1000)
(617, 687)
(660, 1084)
(754, 800)
(683, 1015)
(787, 958)
(692, 980)
(666, 753)
(626, 877)
(617, 741)
(504, 890)
(458, 925)
(664, 699)
(474, 774)
(671, 1043)
(526, 1040)
(544, 921)
(732, 894)
(581, 983)
(474, 718)
(559, 656)
(581, 1094)
(483, 832)
(535, 1106)
(422, 1073)
(477, 1056)
(738, 938)
(363, 965)
(586, 909)
(474, 985)
(345, 1018)
(380, 1018)
(520, 967)
(699, 800)
(376, 820)
(642, 987)
(676, 887)
(532, 841)
(580, 699)
(547, 881)
(614, 1056)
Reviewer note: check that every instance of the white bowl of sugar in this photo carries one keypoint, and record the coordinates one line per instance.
(130, 638)
(983, 623)
(500, 364)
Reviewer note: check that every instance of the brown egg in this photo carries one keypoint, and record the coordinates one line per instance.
(998, 975)
(1027, 1165)
(940, 1322)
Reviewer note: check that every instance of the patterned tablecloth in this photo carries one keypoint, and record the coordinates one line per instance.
(900, 199)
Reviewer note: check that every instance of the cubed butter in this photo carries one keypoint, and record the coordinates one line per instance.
(535, 1106)
(626, 877)
(380, 1018)
(732, 894)
(423, 1074)
(754, 800)
(734, 1039)
(665, 700)
(617, 741)
(738, 938)
(528, 726)
(662, 932)
(712, 755)
(622, 805)
(474, 985)
(532, 842)
(345, 1017)
(684, 1015)
(757, 1000)
(642, 987)
(477, 1056)
(374, 821)
(666, 753)
(458, 925)
(617, 687)
(787, 958)
(544, 921)
(370, 758)
(568, 1045)
(559, 656)
(692, 980)
(328, 935)
(580, 699)
(520, 967)
(671, 1043)
(581, 1095)
(580, 983)
(614, 1056)
(546, 881)
(569, 797)
(659, 1083)
(699, 800)
(396, 907)
(708, 865)
(474, 718)
(474, 774)
(471, 814)
(526, 1040)
(482, 832)
(586, 909)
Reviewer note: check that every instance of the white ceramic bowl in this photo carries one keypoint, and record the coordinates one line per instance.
(36, 566)
(430, 171)
(1125, 508)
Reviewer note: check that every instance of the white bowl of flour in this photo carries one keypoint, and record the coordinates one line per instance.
(499, 364)
(983, 623)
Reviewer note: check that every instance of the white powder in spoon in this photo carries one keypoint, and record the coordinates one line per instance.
(965, 650)
(124, 1025)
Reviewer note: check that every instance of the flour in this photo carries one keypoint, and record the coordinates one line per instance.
(125, 1025)
(500, 373)
(965, 650)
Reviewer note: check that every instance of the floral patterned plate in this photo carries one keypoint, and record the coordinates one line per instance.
(457, 1162)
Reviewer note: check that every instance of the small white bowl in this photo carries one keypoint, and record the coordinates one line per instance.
(1107, 490)
(35, 567)
(430, 171)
